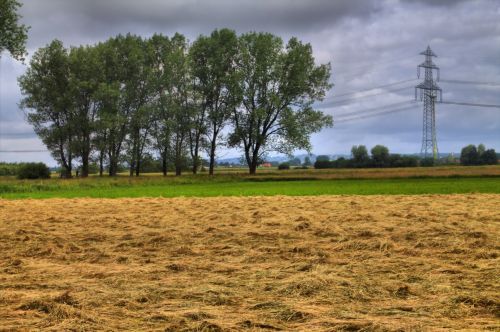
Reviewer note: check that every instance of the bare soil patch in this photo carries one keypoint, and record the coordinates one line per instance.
(325, 263)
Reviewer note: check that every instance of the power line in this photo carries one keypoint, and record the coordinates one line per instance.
(471, 82)
(470, 104)
(343, 101)
(375, 114)
(374, 88)
(368, 110)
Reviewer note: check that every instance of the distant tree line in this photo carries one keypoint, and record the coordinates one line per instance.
(380, 157)
(122, 100)
(472, 155)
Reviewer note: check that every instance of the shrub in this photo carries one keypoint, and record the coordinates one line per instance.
(488, 157)
(321, 164)
(469, 155)
(427, 162)
(34, 171)
(284, 166)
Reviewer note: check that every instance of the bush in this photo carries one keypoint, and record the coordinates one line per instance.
(469, 155)
(488, 157)
(284, 166)
(427, 162)
(321, 164)
(9, 169)
(33, 171)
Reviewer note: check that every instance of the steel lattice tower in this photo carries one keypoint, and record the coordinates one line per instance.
(428, 93)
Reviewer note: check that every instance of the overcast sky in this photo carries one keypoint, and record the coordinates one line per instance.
(368, 43)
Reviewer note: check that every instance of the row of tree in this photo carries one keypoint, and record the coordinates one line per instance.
(380, 157)
(122, 99)
(472, 155)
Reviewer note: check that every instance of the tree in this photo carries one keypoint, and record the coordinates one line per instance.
(427, 162)
(13, 35)
(213, 61)
(323, 158)
(360, 155)
(114, 107)
(135, 83)
(481, 149)
(48, 102)
(307, 161)
(278, 87)
(159, 50)
(380, 155)
(122, 96)
(83, 85)
(489, 157)
(469, 155)
(177, 89)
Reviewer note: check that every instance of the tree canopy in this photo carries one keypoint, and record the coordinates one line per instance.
(13, 35)
(128, 98)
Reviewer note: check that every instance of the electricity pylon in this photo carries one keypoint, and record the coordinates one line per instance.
(428, 93)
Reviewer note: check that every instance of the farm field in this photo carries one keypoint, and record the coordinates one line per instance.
(324, 263)
(438, 180)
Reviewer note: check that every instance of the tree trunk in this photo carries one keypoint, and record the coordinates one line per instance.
(164, 163)
(85, 165)
(213, 145)
(138, 167)
(253, 168)
(113, 165)
(212, 159)
(131, 168)
(195, 162)
(178, 170)
(101, 163)
(254, 162)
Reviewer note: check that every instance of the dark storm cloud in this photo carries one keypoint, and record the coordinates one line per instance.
(72, 19)
(435, 3)
(368, 42)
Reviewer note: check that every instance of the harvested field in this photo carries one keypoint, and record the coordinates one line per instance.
(323, 263)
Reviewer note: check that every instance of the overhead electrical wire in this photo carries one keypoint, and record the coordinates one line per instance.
(370, 115)
(374, 88)
(368, 110)
(470, 82)
(469, 104)
(343, 101)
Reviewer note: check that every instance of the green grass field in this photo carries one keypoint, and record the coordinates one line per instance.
(239, 185)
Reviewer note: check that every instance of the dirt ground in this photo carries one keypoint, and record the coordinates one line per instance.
(323, 263)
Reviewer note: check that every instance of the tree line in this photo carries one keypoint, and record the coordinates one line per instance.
(380, 157)
(128, 98)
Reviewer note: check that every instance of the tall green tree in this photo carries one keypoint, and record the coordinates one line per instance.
(214, 68)
(48, 102)
(82, 87)
(139, 88)
(13, 35)
(177, 95)
(159, 50)
(122, 96)
(380, 155)
(360, 155)
(489, 157)
(469, 155)
(278, 87)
